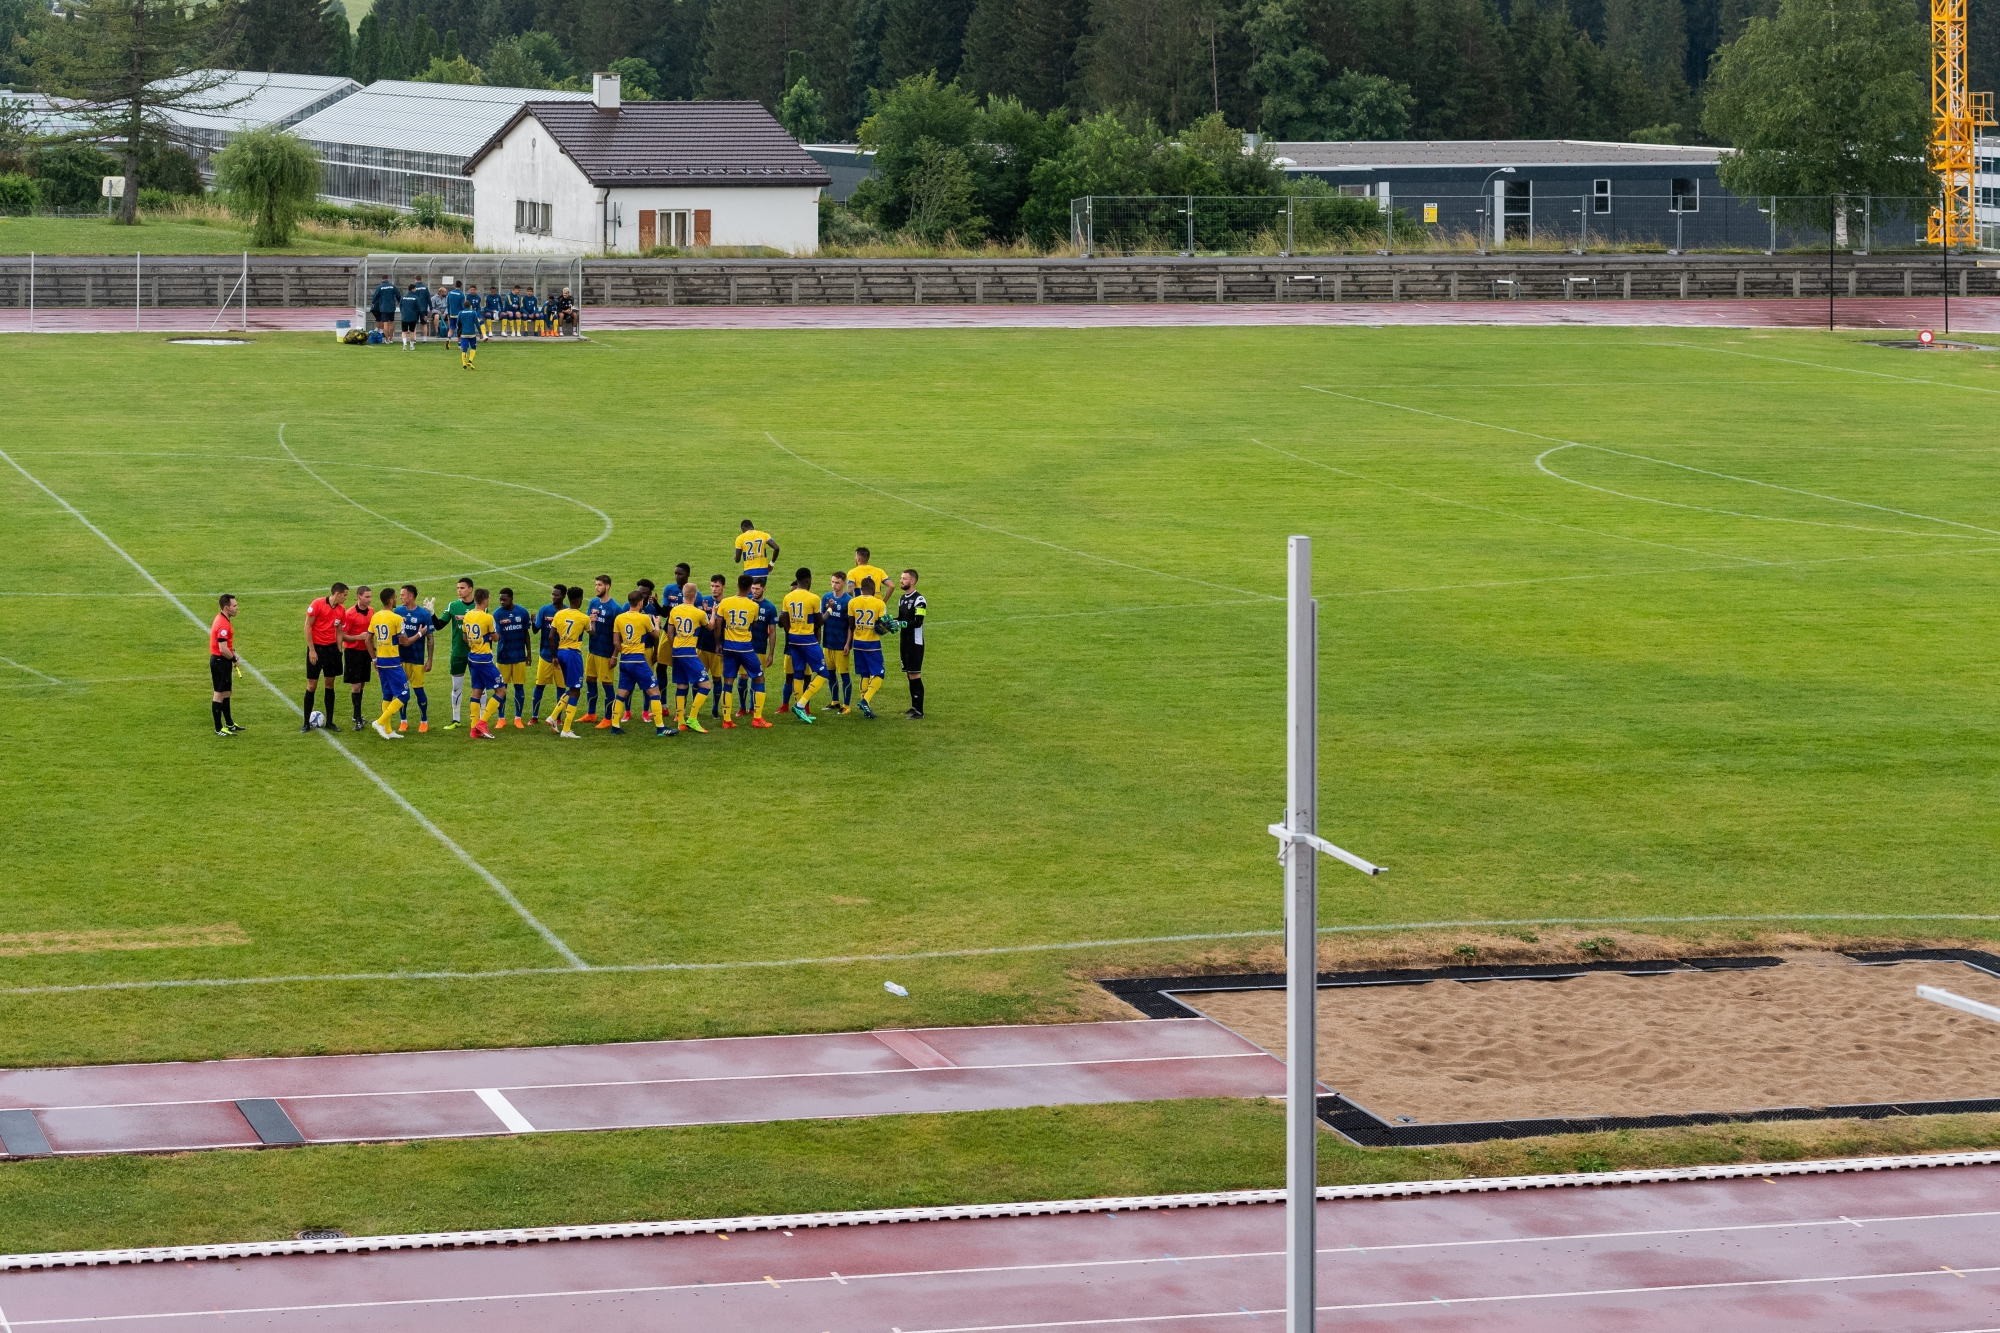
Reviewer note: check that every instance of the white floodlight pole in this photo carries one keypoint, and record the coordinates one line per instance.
(1298, 844)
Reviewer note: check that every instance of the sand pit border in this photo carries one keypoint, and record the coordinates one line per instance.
(1154, 997)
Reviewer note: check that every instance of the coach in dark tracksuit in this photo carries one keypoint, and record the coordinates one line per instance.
(387, 300)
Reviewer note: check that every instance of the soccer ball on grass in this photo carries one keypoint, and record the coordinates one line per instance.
(318, 719)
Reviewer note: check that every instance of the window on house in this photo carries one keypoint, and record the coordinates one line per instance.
(533, 217)
(1600, 196)
(1687, 195)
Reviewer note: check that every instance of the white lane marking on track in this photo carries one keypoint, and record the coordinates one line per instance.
(47, 679)
(1752, 481)
(423, 821)
(1561, 444)
(664, 1288)
(488, 1095)
(1516, 1297)
(840, 960)
(1019, 537)
(497, 1103)
(1501, 513)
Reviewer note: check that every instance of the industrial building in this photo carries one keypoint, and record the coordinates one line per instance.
(395, 140)
(627, 177)
(248, 100)
(1519, 191)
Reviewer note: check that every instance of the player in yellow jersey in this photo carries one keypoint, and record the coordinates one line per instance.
(685, 624)
(863, 570)
(629, 633)
(866, 613)
(755, 550)
(482, 637)
(569, 627)
(800, 616)
(386, 641)
(739, 654)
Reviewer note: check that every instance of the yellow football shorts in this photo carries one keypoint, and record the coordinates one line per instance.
(840, 661)
(548, 673)
(600, 668)
(713, 661)
(415, 672)
(513, 673)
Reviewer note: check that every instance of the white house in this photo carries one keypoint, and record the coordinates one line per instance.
(608, 178)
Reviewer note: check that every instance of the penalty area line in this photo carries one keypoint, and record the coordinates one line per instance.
(423, 821)
(932, 955)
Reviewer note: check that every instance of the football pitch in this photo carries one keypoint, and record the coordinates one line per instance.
(1616, 624)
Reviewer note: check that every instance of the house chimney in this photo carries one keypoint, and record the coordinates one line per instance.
(604, 91)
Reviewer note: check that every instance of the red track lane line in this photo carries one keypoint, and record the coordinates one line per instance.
(664, 1082)
(1457, 1301)
(850, 1277)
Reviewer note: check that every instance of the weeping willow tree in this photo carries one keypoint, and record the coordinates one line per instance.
(268, 176)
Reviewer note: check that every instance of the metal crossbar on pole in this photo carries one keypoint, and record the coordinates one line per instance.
(1299, 845)
(1938, 995)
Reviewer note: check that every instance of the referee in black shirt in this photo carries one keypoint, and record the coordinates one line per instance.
(910, 612)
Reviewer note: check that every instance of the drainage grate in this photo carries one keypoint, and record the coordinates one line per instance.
(320, 1233)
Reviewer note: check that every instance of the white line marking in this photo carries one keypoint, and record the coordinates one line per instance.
(22, 666)
(1939, 995)
(1561, 444)
(423, 821)
(602, 968)
(1037, 541)
(425, 536)
(1817, 365)
(500, 1106)
(1501, 513)
(1767, 518)
(372, 467)
(99, 680)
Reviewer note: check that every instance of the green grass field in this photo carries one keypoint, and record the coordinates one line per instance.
(174, 234)
(1726, 654)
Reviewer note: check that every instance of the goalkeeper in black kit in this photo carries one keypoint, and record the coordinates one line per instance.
(910, 613)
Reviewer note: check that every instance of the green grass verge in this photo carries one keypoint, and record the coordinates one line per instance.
(1657, 673)
(170, 234)
(811, 1166)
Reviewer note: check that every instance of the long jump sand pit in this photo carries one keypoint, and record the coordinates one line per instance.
(1818, 1030)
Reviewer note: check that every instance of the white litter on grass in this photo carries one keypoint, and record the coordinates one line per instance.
(894, 989)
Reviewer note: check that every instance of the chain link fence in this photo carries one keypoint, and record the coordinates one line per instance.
(1683, 220)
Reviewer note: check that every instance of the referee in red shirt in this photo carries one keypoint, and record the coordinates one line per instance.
(222, 664)
(324, 619)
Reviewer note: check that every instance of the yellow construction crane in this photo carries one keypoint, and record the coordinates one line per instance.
(1956, 118)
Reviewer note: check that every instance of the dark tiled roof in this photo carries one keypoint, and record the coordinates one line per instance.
(671, 143)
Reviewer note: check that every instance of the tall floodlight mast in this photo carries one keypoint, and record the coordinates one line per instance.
(1956, 117)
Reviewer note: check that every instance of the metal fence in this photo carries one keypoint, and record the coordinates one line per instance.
(1679, 221)
(541, 276)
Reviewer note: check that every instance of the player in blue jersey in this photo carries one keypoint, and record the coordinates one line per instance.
(420, 292)
(531, 315)
(454, 302)
(490, 311)
(547, 671)
(600, 661)
(836, 638)
(384, 305)
(709, 646)
(762, 636)
(468, 334)
(510, 313)
(419, 654)
(410, 312)
(513, 625)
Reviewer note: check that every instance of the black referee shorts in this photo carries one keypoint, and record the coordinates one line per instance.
(359, 666)
(220, 672)
(913, 657)
(328, 665)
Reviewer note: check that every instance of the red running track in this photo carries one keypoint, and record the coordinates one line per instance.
(454, 1094)
(1968, 314)
(1906, 1251)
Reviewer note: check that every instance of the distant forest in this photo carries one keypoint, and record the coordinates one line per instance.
(1293, 69)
